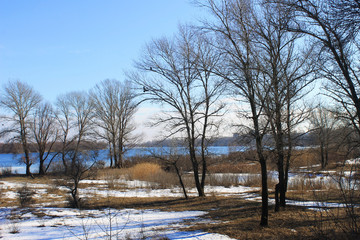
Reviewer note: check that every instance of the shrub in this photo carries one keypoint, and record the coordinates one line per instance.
(6, 171)
(25, 195)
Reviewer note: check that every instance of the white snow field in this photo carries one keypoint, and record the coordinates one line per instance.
(44, 222)
(63, 223)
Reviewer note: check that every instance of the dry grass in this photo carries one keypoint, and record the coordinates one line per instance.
(304, 158)
(115, 173)
(254, 180)
(145, 171)
(238, 218)
(310, 183)
(231, 216)
(234, 167)
(226, 180)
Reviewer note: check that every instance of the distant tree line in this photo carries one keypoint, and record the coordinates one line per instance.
(70, 128)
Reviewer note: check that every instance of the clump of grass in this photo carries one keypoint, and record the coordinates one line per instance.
(226, 180)
(14, 229)
(152, 173)
(254, 180)
(307, 183)
(145, 171)
(25, 195)
(237, 167)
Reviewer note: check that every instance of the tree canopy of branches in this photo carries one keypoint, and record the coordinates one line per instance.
(334, 26)
(234, 30)
(74, 115)
(261, 61)
(324, 123)
(21, 100)
(285, 72)
(45, 132)
(115, 106)
(179, 77)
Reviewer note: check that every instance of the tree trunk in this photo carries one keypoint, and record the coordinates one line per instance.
(181, 181)
(322, 155)
(277, 203)
(282, 190)
(41, 166)
(111, 155)
(264, 194)
(27, 161)
(198, 185)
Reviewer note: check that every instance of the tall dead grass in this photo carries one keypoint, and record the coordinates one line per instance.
(145, 171)
(237, 167)
(153, 173)
(225, 180)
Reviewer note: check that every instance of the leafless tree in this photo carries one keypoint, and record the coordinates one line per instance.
(21, 100)
(83, 167)
(64, 121)
(115, 106)
(170, 158)
(45, 132)
(323, 123)
(334, 27)
(74, 115)
(179, 78)
(285, 72)
(233, 26)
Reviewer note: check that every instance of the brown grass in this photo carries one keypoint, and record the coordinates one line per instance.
(235, 167)
(226, 180)
(231, 216)
(145, 171)
(238, 218)
(255, 181)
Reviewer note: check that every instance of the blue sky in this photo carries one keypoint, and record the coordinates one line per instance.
(58, 46)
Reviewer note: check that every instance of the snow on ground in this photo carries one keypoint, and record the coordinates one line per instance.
(355, 161)
(130, 189)
(60, 223)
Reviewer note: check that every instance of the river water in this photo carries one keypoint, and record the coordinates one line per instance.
(14, 162)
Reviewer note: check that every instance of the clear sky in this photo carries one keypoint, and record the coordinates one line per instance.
(58, 46)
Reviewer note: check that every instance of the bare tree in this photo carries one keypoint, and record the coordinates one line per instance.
(285, 72)
(74, 115)
(179, 77)
(334, 26)
(20, 99)
(64, 121)
(83, 167)
(323, 123)
(234, 29)
(45, 133)
(115, 106)
(171, 158)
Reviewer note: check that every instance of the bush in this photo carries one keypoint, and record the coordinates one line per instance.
(25, 195)
(6, 171)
